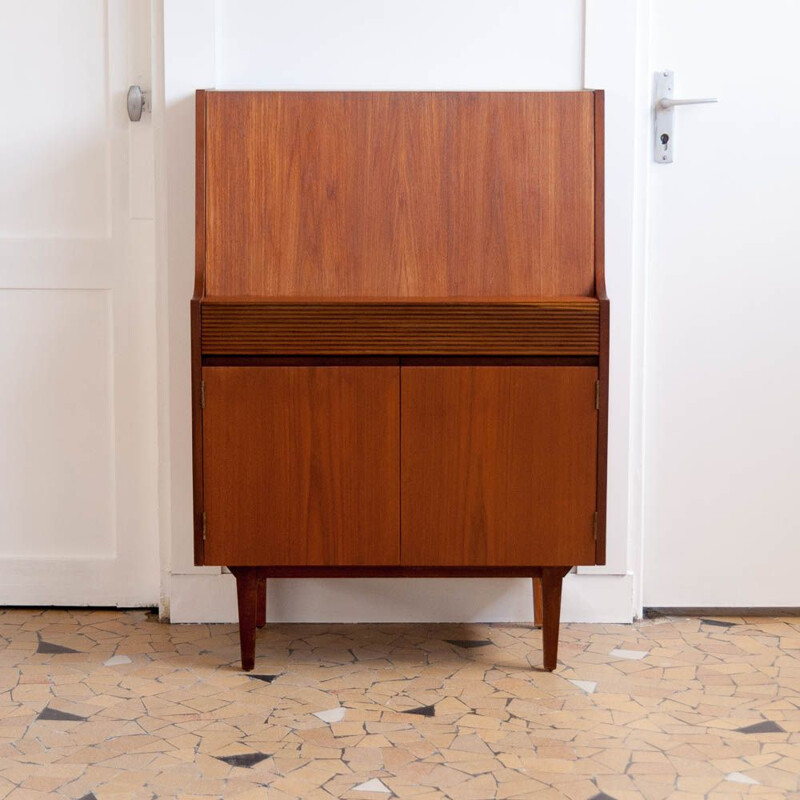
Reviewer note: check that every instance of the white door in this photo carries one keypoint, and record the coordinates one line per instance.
(78, 455)
(722, 395)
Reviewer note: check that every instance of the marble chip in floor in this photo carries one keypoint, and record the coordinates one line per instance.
(113, 704)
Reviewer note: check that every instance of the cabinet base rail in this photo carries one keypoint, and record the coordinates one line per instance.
(251, 591)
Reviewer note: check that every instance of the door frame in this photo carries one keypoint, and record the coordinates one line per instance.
(617, 58)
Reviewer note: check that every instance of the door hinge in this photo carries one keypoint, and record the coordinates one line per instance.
(597, 395)
(205, 525)
(594, 524)
(202, 394)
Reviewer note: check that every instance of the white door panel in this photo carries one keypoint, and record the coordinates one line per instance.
(722, 428)
(53, 144)
(56, 424)
(78, 458)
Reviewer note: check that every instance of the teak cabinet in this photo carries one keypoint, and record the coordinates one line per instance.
(400, 339)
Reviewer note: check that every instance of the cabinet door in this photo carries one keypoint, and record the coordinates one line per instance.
(300, 465)
(498, 465)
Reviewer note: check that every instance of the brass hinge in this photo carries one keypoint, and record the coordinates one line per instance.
(597, 395)
(202, 394)
(594, 525)
(205, 526)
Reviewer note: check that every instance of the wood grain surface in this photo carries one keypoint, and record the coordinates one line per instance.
(551, 613)
(399, 194)
(546, 327)
(247, 582)
(498, 465)
(301, 465)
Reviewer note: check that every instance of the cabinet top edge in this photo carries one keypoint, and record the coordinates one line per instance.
(398, 300)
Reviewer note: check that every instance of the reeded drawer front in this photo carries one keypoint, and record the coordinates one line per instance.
(300, 465)
(499, 465)
(553, 327)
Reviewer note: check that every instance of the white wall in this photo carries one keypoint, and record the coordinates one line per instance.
(187, 39)
(399, 44)
(616, 43)
(394, 44)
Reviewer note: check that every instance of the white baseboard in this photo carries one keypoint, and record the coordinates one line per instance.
(91, 581)
(586, 598)
(597, 598)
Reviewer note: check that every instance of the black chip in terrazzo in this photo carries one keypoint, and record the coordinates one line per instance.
(48, 713)
(49, 647)
(244, 759)
(423, 711)
(762, 727)
(468, 643)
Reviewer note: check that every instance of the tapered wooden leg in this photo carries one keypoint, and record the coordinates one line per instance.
(537, 602)
(261, 603)
(247, 594)
(551, 613)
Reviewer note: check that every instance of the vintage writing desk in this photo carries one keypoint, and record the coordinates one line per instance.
(400, 339)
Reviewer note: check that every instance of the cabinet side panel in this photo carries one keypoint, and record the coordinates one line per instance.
(499, 465)
(197, 433)
(605, 310)
(301, 465)
(196, 323)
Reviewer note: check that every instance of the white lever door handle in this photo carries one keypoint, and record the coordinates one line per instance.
(664, 118)
(668, 102)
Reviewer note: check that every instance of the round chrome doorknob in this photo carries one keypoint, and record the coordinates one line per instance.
(138, 102)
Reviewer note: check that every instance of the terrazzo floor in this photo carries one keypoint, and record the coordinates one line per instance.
(110, 704)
